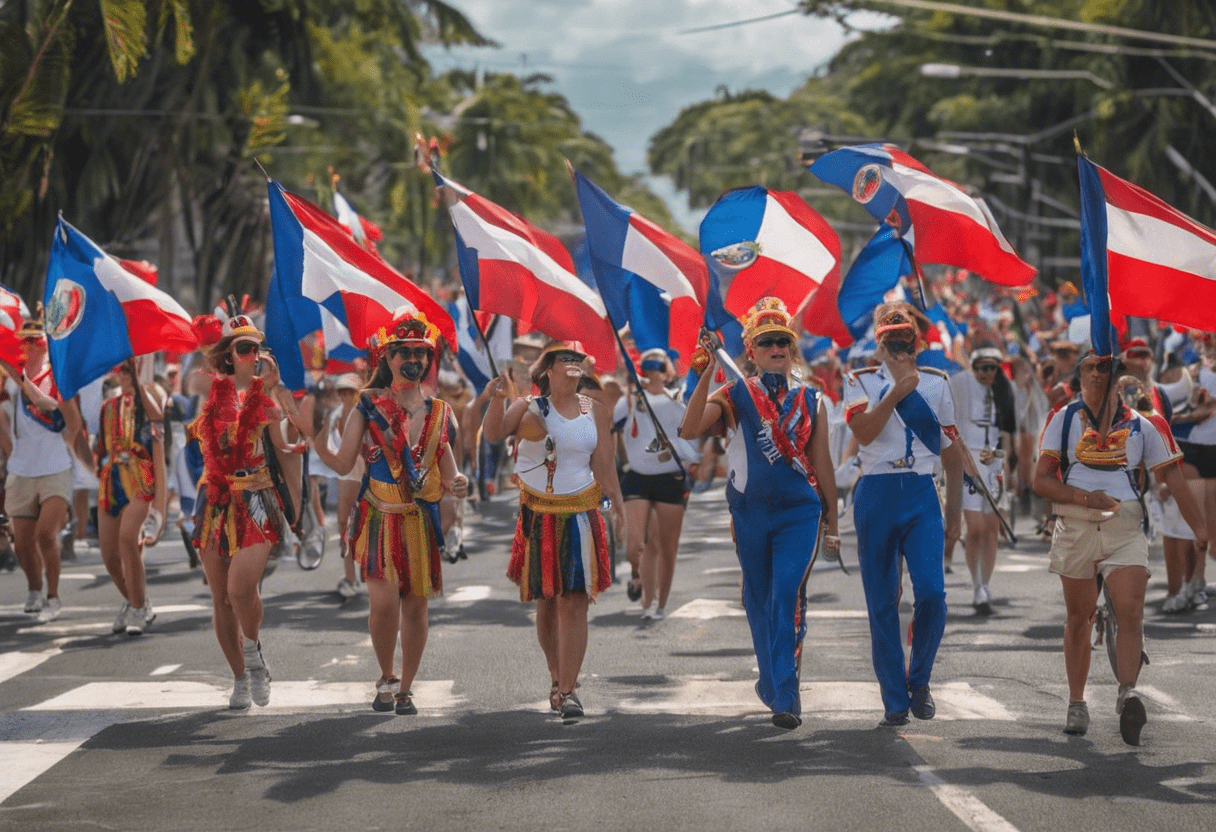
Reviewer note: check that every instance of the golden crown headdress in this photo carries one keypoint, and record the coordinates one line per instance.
(768, 315)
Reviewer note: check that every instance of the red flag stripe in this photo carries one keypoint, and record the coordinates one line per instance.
(1128, 197)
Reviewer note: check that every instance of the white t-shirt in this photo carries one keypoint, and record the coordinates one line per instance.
(643, 450)
(889, 451)
(974, 411)
(567, 448)
(1134, 439)
(37, 451)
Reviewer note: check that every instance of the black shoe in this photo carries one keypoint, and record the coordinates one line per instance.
(1132, 720)
(405, 704)
(571, 707)
(894, 720)
(460, 553)
(633, 589)
(385, 696)
(922, 703)
(786, 720)
(191, 552)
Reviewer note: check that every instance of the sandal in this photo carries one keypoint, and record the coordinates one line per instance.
(555, 698)
(385, 693)
(405, 704)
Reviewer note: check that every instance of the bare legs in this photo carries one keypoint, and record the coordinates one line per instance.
(1126, 586)
(36, 540)
(561, 629)
(390, 616)
(659, 554)
(980, 547)
(235, 599)
(121, 552)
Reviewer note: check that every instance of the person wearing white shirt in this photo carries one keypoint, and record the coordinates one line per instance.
(903, 418)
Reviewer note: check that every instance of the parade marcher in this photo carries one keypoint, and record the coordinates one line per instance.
(347, 385)
(240, 515)
(1199, 453)
(39, 483)
(781, 487)
(654, 482)
(565, 467)
(983, 412)
(395, 535)
(130, 428)
(903, 417)
(1088, 456)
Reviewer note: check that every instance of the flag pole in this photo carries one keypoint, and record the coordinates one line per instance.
(427, 158)
(920, 279)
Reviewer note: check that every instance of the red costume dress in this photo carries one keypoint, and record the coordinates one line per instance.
(239, 506)
(124, 456)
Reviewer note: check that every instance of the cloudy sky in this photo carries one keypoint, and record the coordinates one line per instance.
(628, 68)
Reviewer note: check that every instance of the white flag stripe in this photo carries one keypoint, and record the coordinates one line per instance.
(647, 260)
(1142, 237)
(334, 331)
(325, 273)
(128, 287)
(494, 243)
(348, 217)
(929, 190)
(781, 238)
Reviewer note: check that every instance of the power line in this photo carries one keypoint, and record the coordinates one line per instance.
(1050, 22)
(732, 24)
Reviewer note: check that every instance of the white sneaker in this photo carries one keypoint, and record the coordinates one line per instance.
(649, 613)
(982, 600)
(659, 613)
(1176, 603)
(258, 673)
(136, 622)
(50, 610)
(149, 613)
(35, 601)
(347, 589)
(120, 623)
(240, 700)
(1199, 594)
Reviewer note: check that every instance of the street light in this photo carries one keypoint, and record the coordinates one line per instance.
(956, 71)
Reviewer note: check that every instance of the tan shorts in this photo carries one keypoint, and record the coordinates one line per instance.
(1079, 548)
(24, 496)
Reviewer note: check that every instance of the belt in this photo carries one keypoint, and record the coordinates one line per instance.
(586, 500)
(250, 479)
(389, 508)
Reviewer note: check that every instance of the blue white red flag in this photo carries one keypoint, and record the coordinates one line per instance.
(942, 222)
(1141, 257)
(511, 267)
(13, 312)
(776, 245)
(324, 280)
(98, 314)
(473, 357)
(365, 232)
(874, 273)
(649, 279)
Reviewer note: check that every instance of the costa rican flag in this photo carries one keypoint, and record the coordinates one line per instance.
(99, 314)
(649, 279)
(939, 220)
(13, 313)
(365, 232)
(776, 245)
(324, 280)
(511, 267)
(1141, 257)
(473, 358)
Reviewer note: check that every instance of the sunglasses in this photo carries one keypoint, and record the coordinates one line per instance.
(767, 343)
(1102, 366)
(408, 352)
(653, 365)
(567, 358)
(245, 347)
(986, 368)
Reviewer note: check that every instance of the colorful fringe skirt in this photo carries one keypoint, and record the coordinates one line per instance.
(251, 516)
(398, 542)
(560, 546)
(120, 482)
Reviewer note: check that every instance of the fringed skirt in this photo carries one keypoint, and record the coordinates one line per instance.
(398, 542)
(122, 482)
(560, 546)
(251, 516)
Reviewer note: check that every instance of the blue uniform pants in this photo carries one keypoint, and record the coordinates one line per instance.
(899, 514)
(775, 549)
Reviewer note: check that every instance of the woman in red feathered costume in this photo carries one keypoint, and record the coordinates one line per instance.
(239, 516)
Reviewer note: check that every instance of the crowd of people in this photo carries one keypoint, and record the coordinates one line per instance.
(923, 437)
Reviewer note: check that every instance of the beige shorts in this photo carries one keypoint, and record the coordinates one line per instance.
(24, 496)
(1080, 548)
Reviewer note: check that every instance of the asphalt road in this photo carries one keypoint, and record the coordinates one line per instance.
(105, 731)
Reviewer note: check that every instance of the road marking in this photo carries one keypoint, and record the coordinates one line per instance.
(966, 807)
(434, 695)
(703, 609)
(77, 576)
(15, 663)
(698, 695)
(30, 744)
(164, 670)
(1019, 567)
(722, 570)
(466, 594)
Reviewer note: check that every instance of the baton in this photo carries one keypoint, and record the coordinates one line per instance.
(724, 359)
